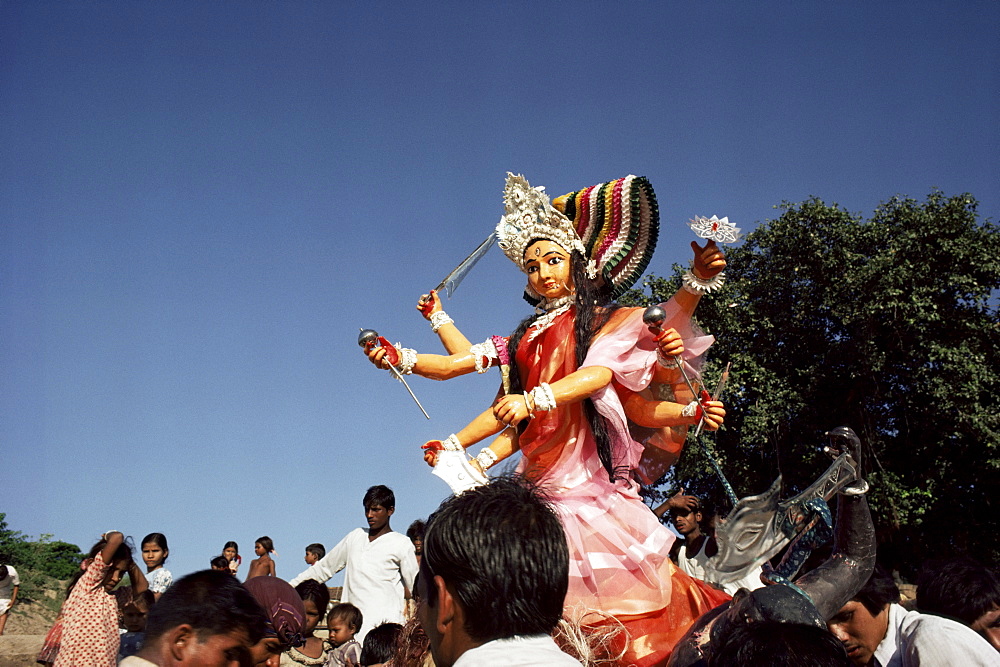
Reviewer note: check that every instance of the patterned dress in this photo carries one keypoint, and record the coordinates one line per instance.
(159, 580)
(90, 622)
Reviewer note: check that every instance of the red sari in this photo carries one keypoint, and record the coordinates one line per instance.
(619, 562)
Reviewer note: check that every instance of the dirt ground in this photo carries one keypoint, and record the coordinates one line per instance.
(22, 638)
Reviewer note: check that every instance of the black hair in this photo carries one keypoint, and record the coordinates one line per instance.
(232, 544)
(265, 542)
(778, 644)
(122, 554)
(348, 613)
(502, 551)
(160, 540)
(380, 495)
(960, 588)
(416, 530)
(380, 644)
(880, 590)
(316, 549)
(310, 589)
(219, 561)
(593, 310)
(211, 602)
(3, 571)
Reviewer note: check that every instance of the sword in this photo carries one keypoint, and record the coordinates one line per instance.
(369, 338)
(455, 278)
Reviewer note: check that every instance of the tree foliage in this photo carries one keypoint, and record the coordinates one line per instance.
(38, 562)
(888, 325)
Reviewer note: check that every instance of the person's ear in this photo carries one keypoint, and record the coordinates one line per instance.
(391, 510)
(445, 608)
(179, 640)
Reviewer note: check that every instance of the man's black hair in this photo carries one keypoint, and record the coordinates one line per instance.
(380, 495)
(380, 644)
(778, 644)
(211, 602)
(502, 551)
(960, 588)
(879, 591)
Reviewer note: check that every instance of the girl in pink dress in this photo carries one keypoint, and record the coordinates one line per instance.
(90, 614)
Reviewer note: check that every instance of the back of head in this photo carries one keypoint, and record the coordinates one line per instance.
(317, 550)
(959, 588)
(380, 644)
(380, 495)
(502, 550)
(212, 603)
(778, 644)
(880, 590)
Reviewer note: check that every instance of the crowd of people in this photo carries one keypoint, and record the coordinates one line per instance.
(466, 588)
(561, 562)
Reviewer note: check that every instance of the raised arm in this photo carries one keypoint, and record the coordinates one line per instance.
(709, 262)
(454, 341)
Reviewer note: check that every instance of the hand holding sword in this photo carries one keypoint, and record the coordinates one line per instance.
(454, 279)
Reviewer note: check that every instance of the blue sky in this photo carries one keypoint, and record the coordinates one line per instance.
(201, 203)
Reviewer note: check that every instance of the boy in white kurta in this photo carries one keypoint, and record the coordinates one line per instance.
(379, 564)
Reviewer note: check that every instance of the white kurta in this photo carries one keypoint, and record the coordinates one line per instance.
(376, 572)
(519, 651)
(914, 639)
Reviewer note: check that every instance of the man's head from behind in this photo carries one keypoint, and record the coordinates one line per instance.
(206, 619)
(964, 590)
(495, 565)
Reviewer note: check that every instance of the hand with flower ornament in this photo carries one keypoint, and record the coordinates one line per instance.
(708, 261)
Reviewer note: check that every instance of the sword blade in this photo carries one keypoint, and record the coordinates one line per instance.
(455, 278)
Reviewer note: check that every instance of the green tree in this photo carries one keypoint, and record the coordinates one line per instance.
(40, 563)
(888, 325)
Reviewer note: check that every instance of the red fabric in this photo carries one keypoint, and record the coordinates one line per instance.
(619, 562)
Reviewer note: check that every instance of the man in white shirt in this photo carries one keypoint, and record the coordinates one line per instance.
(493, 578)
(877, 631)
(379, 564)
(9, 585)
(207, 619)
(695, 554)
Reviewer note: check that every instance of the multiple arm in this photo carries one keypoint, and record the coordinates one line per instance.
(510, 410)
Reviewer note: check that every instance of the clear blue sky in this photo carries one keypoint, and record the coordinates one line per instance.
(200, 203)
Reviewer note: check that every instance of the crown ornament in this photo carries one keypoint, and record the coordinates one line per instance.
(528, 216)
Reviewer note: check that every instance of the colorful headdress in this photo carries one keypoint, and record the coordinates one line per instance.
(528, 215)
(618, 223)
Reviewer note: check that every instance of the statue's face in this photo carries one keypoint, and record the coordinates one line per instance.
(548, 267)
